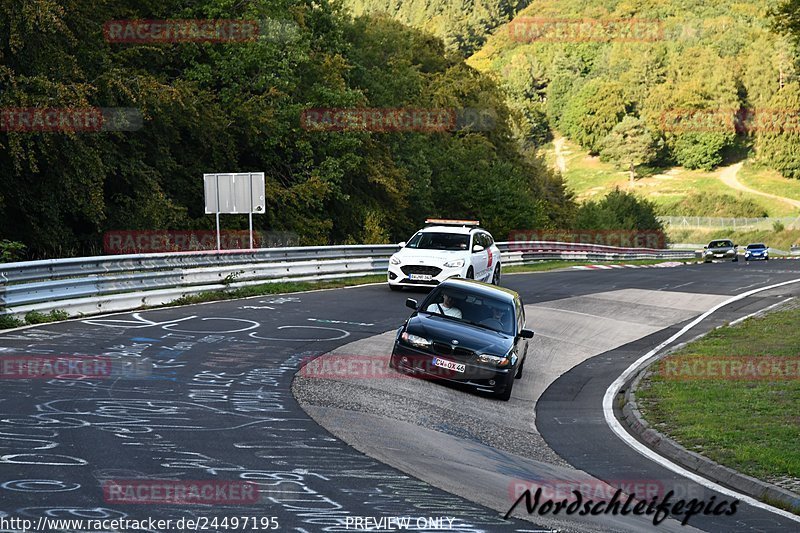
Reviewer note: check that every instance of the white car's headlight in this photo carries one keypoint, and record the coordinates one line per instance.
(415, 340)
(394, 260)
(455, 263)
(493, 359)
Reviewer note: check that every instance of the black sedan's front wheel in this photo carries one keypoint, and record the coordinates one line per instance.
(506, 394)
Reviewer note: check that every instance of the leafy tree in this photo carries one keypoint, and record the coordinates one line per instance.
(593, 112)
(462, 24)
(786, 17)
(700, 150)
(777, 132)
(618, 210)
(695, 108)
(630, 145)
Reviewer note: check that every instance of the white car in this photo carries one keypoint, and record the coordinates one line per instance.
(445, 249)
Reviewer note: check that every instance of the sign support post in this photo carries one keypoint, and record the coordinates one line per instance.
(216, 186)
(250, 212)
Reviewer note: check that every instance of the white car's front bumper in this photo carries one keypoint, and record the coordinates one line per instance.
(424, 275)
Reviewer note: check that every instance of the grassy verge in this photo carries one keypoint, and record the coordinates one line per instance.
(769, 181)
(33, 317)
(750, 425)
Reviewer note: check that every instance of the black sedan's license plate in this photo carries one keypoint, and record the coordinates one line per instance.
(449, 365)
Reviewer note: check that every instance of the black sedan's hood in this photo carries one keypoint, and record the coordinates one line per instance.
(446, 330)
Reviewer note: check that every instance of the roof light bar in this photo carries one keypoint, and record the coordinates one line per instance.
(451, 222)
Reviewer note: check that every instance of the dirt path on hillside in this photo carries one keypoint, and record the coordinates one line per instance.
(561, 161)
(728, 175)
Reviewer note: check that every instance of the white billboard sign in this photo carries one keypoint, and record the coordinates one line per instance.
(235, 193)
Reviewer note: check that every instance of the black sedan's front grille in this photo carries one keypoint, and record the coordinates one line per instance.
(456, 352)
(421, 269)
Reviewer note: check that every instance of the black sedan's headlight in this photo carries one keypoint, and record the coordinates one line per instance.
(416, 340)
(496, 360)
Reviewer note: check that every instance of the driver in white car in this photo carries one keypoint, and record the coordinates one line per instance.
(446, 307)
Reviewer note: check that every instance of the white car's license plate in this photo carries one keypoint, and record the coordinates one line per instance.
(449, 365)
(420, 277)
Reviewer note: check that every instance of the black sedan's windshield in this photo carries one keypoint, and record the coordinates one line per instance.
(439, 241)
(478, 310)
(756, 246)
(721, 244)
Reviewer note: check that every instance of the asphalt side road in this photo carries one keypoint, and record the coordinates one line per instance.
(215, 405)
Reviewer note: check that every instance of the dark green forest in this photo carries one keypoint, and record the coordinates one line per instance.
(236, 106)
(729, 65)
(725, 67)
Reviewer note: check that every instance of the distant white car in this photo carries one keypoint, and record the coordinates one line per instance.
(445, 249)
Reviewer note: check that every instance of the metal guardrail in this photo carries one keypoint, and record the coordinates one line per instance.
(103, 284)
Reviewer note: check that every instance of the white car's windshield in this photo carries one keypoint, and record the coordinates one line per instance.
(439, 241)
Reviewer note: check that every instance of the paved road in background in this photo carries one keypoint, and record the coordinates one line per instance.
(218, 406)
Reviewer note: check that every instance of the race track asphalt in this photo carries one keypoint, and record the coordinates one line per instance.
(217, 405)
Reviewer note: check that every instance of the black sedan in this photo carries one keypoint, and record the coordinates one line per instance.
(720, 249)
(466, 332)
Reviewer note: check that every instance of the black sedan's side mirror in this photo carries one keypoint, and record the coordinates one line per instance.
(412, 303)
(526, 333)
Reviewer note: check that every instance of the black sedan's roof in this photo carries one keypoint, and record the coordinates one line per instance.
(478, 287)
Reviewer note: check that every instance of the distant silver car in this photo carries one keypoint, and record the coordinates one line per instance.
(720, 249)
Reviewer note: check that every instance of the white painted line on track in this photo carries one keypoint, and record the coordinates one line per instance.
(616, 426)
